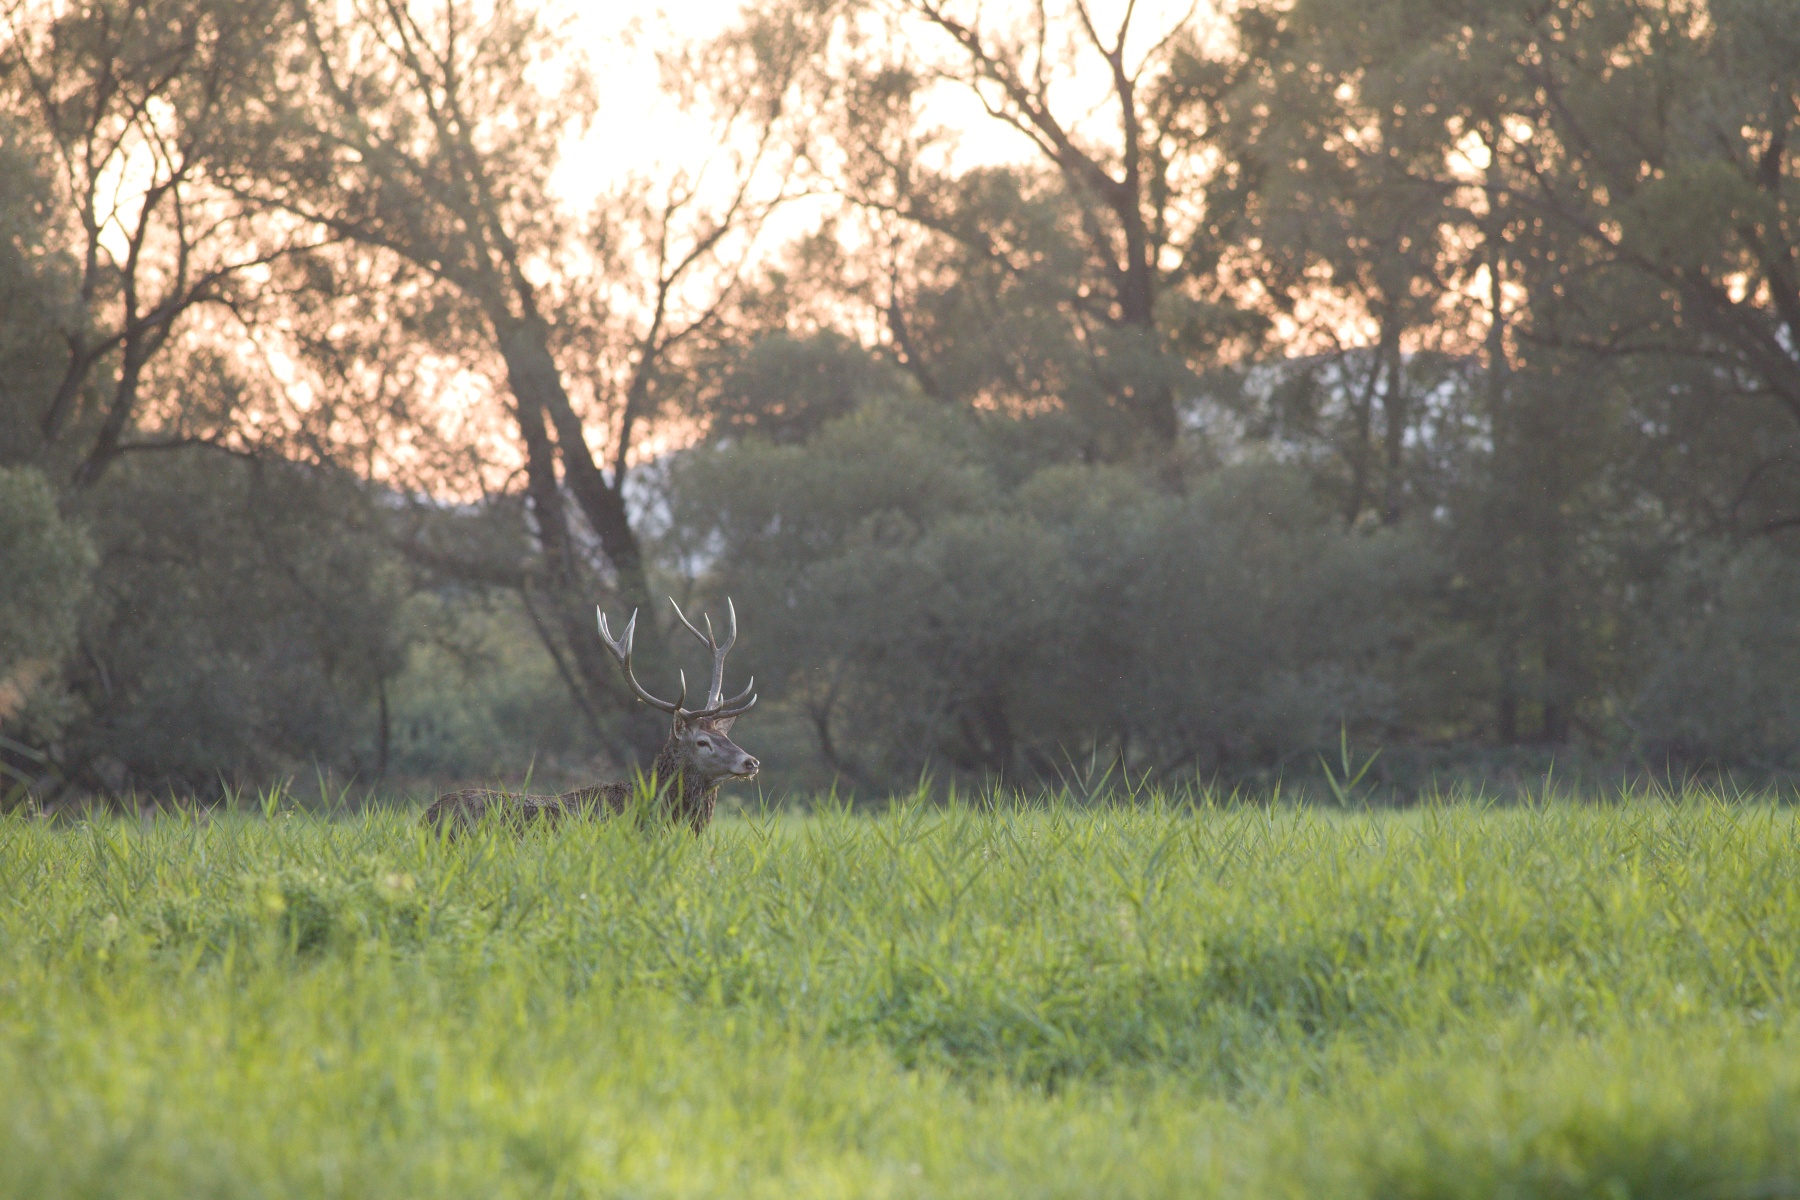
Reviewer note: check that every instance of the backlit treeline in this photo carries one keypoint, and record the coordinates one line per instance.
(1056, 388)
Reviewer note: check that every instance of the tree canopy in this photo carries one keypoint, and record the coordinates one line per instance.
(1048, 384)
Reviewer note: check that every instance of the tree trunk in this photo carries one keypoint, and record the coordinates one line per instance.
(1361, 432)
(536, 383)
(1506, 705)
(112, 431)
(1499, 377)
(1559, 686)
(538, 393)
(1394, 410)
(383, 730)
(997, 733)
(565, 588)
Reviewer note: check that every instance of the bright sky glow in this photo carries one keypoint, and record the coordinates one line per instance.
(641, 129)
(638, 128)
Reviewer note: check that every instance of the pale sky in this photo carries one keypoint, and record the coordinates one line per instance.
(637, 123)
(640, 129)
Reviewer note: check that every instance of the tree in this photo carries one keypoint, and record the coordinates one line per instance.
(1139, 198)
(1505, 154)
(1152, 214)
(917, 608)
(48, 563)
(249, 617)
(1360, 233)
(428, 137)
(1677, 168)
(37, 296)
(130, 103)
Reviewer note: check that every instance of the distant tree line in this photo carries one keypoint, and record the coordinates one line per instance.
(1424, 375)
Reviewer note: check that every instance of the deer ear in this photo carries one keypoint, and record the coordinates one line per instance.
(722, 725)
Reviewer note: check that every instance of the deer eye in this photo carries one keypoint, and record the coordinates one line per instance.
(703, 743)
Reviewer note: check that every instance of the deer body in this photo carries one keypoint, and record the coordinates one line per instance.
(697, 758)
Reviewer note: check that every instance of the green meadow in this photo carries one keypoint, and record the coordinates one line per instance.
(1566, 999)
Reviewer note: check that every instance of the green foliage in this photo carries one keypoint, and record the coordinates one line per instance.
(479, 700)
(1726, 689)
(1573, 1000)
(37, 293)
(1637, 193)
(1414, 374)
(45, 580)
(785, 388)
(248, 615)
(919, 610)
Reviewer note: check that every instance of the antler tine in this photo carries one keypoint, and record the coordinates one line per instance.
(621, 650)
(620, 646)
(739, 698)
(705, 638)
(727, 708)
(732, 708)
(715, 687)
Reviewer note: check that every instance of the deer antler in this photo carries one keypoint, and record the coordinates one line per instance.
(714, 707)
(621, 649)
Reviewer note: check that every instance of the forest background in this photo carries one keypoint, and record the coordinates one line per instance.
(1067, 391)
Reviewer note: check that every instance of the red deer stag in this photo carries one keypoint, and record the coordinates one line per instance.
(696, 759)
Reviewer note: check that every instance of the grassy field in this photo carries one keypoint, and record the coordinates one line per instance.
(1566, 1000)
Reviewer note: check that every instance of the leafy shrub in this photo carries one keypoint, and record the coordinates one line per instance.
(917, 609)
(1723, 682)
(248, 616)
(45, 580)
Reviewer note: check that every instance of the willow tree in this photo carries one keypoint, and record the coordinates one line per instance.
(1613, 188)
(426, 136)
(1107, 228)
(129, 107)
(1360, 240)
(1662, 142)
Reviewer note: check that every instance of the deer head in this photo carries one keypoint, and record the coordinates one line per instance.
(699, 750)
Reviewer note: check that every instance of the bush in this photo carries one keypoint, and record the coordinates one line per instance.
(1723, 684)
(249, 616)
(48, 561)
(916, 610)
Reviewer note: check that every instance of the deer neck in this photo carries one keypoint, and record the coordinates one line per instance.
(689, 797)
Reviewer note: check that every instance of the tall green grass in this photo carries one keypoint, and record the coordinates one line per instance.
(1002, 1000)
